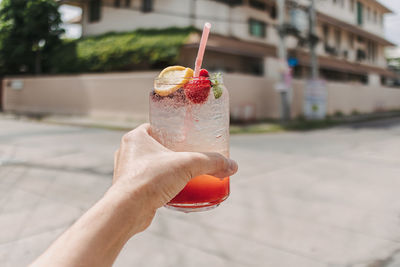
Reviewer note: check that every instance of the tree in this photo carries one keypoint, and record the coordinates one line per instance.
(29, 31)
(394, 63)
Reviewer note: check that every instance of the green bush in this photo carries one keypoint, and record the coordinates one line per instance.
(140, 49)
(338, 114)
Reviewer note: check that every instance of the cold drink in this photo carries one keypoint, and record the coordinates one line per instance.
(192, 114)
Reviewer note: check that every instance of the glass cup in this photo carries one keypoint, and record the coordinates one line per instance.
(181, 125)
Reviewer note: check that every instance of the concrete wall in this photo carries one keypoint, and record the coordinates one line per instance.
(121, 95)
(348, 98)
(125, 96)
(338, 10)
(122, 19)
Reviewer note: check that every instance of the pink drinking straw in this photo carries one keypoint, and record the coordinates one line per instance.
(199, 59)
(202, 47)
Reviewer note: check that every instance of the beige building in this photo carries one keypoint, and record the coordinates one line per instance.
(244, 36)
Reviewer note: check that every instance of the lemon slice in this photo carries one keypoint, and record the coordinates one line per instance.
(171, 79)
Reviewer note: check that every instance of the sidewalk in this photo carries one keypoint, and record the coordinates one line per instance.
(111, 123)
(117, 123)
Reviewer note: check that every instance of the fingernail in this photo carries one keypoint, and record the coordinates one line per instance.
(232, 165)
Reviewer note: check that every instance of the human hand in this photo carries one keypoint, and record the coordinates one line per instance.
(146, 176)
(144, 167)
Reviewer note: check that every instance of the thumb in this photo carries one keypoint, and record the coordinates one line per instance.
(211, 163)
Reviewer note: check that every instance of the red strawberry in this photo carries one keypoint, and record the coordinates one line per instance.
(198, 89)
(204, 73)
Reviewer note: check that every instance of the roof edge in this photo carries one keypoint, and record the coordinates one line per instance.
(385, 8)
(353, 28)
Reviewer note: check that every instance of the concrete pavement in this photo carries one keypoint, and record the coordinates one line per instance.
(301, 199)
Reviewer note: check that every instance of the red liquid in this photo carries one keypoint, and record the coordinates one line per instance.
(202, 191)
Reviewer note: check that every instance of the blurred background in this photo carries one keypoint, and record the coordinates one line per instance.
(315, 110)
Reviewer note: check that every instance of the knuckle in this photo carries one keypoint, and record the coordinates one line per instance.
(127, 138)
(188, 163)
(195, 158)
(134, 134)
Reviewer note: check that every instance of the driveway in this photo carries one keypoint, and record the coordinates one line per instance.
(302, 199)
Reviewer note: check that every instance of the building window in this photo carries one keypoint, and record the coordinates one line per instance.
(360, 55)
(352, 5)
(257, 28)
(368, 14)
(257, 5)
(94, 10)
(127, 3)
(325, 31)
(374, 52)
(147, 5)
(272, 11)
(371, 51)
(351, 40)
(375, 15)
(117, 3)
(231, 2)
(338, 38)
(359, 13)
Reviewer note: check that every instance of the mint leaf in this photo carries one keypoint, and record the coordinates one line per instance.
(217, 90)
(216, 78)
(216, 81)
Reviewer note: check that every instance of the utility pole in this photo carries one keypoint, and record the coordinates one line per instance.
(285, 109)
(313, 42)
(315, 91)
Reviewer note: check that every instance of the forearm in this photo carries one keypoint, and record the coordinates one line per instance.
(99, 235)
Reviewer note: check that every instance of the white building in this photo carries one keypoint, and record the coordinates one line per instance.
(244, 36)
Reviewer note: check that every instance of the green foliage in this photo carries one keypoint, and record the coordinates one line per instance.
(140, 49)
(216, 81)
(338, 114)
(256, 128)
(394, 63)
(29, 31)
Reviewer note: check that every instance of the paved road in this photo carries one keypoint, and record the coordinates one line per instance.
(322, 198)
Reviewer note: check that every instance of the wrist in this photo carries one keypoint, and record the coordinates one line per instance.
(132, 205)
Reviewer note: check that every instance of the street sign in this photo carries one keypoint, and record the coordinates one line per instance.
(315, 99)
(293, 62)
